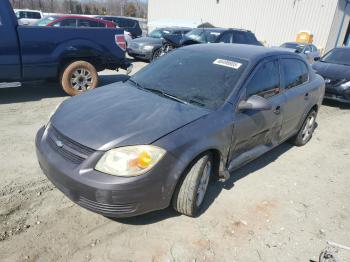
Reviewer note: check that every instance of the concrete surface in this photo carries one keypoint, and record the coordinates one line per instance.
(281, 207)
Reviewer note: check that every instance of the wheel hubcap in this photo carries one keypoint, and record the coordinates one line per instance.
(81, 80)
(309, 127)
(203, 183)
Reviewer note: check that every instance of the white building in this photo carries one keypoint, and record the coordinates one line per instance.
(273, 21)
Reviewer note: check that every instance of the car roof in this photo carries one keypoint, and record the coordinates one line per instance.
(83, 17)
(246, 52)
(174, 28)
(121, 17)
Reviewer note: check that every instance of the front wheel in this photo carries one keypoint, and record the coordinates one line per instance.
(190, 193)
(78, 77)
(306, 131)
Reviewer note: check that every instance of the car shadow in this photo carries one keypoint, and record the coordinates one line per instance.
(37, 90)
(336, 104)
(214, 189)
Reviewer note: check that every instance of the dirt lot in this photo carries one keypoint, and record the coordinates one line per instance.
(282, 207)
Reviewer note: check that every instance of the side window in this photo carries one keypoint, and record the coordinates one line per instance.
(33, 15)
(314, 48)
(295, 72)
(131, 23)
(265, 81)
(240, 38)
(226, 38)
(66, 23)
(89, 23)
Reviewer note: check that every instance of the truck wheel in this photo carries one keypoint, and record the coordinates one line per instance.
(78, 77)
(189, 195)
(307, 129)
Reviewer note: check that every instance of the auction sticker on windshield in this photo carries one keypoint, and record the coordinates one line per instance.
(227, 63)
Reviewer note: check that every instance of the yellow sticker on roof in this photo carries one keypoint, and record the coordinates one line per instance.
(227, 63)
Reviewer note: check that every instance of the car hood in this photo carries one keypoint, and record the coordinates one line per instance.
(332, 71)
(147, 40)
(119, 115)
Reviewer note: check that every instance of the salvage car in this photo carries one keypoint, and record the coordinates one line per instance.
(157, 139)
(147, 47)
(335, 68)
(204, 36)
(309, 51)
(28, 17)
(70, 56)
(128, 24)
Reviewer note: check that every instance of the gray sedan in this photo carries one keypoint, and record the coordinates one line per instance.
(308, 51)
(196, 114)
(146, 47)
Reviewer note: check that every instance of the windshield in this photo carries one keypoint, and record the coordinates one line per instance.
(337, 56)
(200, 79)
(202, 35)
(158, 33)
(45, 21)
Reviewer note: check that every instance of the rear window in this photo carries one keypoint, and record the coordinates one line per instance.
(66, 23)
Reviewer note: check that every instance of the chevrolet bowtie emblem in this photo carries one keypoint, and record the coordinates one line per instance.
(59, 143)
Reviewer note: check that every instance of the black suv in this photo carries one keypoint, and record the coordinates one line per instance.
(128, 24)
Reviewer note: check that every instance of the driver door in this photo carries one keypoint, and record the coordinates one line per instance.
(255, 132)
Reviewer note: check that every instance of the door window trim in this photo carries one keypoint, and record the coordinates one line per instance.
(282, 78)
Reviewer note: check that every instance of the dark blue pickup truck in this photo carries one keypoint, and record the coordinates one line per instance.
(71, 55)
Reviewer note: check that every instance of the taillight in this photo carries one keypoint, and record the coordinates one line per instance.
(120, 41)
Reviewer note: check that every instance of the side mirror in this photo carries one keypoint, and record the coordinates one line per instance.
(256, 103)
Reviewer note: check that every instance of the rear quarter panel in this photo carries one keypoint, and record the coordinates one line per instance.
(44, 48)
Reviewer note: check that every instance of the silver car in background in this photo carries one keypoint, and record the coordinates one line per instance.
(308, 51)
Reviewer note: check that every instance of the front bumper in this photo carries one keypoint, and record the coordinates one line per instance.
(146, 55)
(101, 193)
(337, 93)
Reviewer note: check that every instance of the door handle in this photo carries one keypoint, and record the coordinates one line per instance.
(277, 110)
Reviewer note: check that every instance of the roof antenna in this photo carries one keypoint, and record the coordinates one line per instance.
(202, 25)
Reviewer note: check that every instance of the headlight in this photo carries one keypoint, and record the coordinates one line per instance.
(147, 48)
(130, 160)
(346, 84)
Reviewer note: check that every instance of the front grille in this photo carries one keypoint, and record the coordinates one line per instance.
(67, 148)
(106, 208)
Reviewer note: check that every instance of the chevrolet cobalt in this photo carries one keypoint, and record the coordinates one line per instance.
(196, 114)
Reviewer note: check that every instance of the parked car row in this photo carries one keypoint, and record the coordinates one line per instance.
(163, 40)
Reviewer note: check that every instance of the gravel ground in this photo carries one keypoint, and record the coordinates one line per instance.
(281, 207)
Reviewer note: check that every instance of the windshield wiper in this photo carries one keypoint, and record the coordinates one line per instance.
(162, 93)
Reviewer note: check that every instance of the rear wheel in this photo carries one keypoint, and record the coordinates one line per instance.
(78, 77)
(306, 131)
(189, 195)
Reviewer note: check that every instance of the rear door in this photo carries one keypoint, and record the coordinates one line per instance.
(10, 63)
(295, 81)
(255, 131)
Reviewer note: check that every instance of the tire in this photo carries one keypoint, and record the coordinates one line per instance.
(78, 77)
(156, 54)
(187, 200)
(306, 131)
